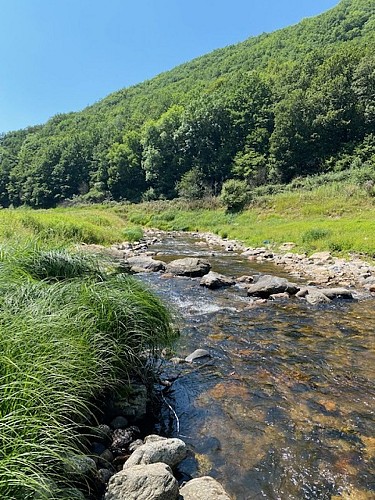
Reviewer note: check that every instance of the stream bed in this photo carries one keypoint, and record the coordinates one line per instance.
(285, 406)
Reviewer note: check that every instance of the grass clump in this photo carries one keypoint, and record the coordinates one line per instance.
(132, 234)
(65, 337)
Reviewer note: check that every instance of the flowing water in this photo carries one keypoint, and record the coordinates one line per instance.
(284, 408)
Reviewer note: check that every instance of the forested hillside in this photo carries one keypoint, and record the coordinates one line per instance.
(293, 103)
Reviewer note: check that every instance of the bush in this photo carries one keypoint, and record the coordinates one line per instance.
(133, 234)
(234, 195)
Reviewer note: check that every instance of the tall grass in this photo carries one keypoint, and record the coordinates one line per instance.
(63, 341)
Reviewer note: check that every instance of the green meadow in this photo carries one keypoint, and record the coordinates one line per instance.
(339, 217)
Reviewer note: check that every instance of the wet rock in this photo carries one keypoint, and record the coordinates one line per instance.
(119, 422)
(143, 482)
(144, 263)
(122, 438)
(104, 475)
(198, 353)
(215, 280)
(268, 285)
(189, 266)
(106, 458)
(169, 451)
(203, 488)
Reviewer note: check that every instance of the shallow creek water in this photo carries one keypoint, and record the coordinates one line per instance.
(285, 407)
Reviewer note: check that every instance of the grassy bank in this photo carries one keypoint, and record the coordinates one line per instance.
(94, 224)
(70, 329)
(338, 217)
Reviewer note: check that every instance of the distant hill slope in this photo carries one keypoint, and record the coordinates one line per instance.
(295, 102)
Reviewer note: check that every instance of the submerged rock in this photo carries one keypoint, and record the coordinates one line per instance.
(215, 280)
(203, 488)
(143, 482)
(269, 285)
(189, 266)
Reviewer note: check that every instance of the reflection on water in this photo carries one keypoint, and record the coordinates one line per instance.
(284, 409)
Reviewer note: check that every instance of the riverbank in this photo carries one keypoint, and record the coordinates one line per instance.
(338, 218)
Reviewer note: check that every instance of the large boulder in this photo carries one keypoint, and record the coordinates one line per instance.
(215, 280)
(170, 451)
(143, 482)
(145, 263)
(203, 488)
(190, 266)
(269, 285)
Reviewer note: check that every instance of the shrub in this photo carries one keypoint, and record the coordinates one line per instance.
(133, 234)
(234, 195)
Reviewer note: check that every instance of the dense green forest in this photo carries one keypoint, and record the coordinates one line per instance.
(270, 110)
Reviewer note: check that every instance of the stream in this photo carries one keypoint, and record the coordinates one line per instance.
(284, 408)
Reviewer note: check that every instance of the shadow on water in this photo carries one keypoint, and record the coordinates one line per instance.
(284, 408)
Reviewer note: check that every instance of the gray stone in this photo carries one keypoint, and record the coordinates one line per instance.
(203, 488)
(122, 439)
(268, 285)
(169, 451)
(315, 297)
(143, 482)
(104, 475)
(198, 353)
(135, 444)
(189, 266)
(106, 458)
(337, 293)
(215, 280)
(142, 262)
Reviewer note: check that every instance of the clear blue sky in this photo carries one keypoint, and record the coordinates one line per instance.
(62, 55)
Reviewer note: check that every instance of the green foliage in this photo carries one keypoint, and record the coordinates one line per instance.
(62, 343)
(281, 106)
(133, 234)
(234, 195)
(192, 186)
(315, 234)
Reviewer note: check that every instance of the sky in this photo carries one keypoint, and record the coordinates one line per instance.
(59, 56)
